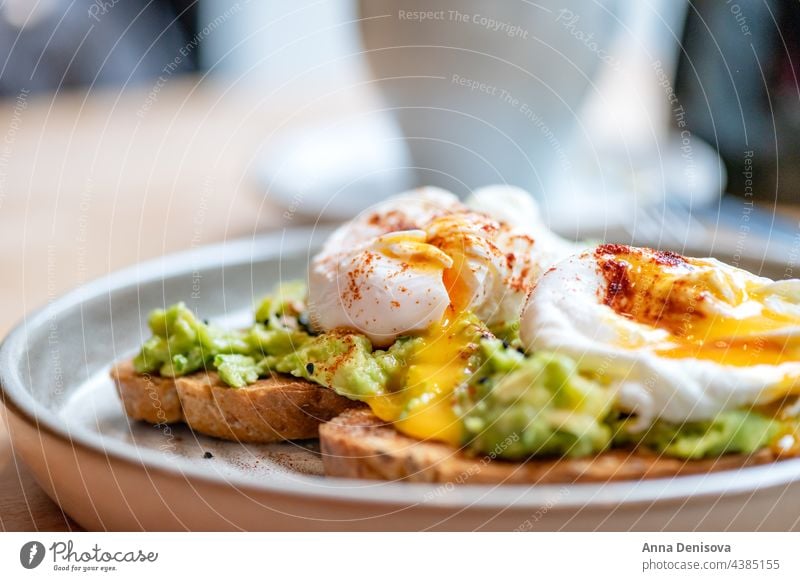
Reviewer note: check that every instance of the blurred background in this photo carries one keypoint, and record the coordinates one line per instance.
(731, 65)
(135, 128)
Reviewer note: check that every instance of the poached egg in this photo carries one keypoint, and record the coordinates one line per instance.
(396, 268)
(425, 264)
(681, 339)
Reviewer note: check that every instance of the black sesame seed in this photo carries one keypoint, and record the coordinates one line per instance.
(205, 321)
(208, 455)
(310, 368)
(521, 350)
(483, 380)
(506, 344)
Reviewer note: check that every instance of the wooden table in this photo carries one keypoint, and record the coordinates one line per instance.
(93, 182)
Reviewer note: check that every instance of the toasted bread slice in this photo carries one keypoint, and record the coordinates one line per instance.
(150, 398)
(270, 410)
(359, 445)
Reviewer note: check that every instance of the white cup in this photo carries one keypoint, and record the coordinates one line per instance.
(486, 92)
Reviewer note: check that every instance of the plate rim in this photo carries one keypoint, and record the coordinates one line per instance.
(275, 245)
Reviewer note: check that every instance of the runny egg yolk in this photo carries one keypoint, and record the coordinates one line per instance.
(423, 406)
(410, 246)
(709, 315)
(417, 253)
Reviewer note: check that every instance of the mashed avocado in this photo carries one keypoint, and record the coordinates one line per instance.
(737, 431)
(182, 344)
(510, 405)
(346, 363)
(542, 400)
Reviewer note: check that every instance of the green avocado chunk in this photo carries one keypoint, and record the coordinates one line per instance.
(182, 344)
(346, 363)
(237, 370)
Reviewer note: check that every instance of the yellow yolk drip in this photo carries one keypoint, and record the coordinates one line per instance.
(456, 286)
(411, 247)
(740, 342)
(423, 407)
(679, 296)
(453, 236)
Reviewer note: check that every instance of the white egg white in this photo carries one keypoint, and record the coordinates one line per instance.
(377, 290)
(569, 312)
(514, 206)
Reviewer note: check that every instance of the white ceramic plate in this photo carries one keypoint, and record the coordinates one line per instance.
(109, 473)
